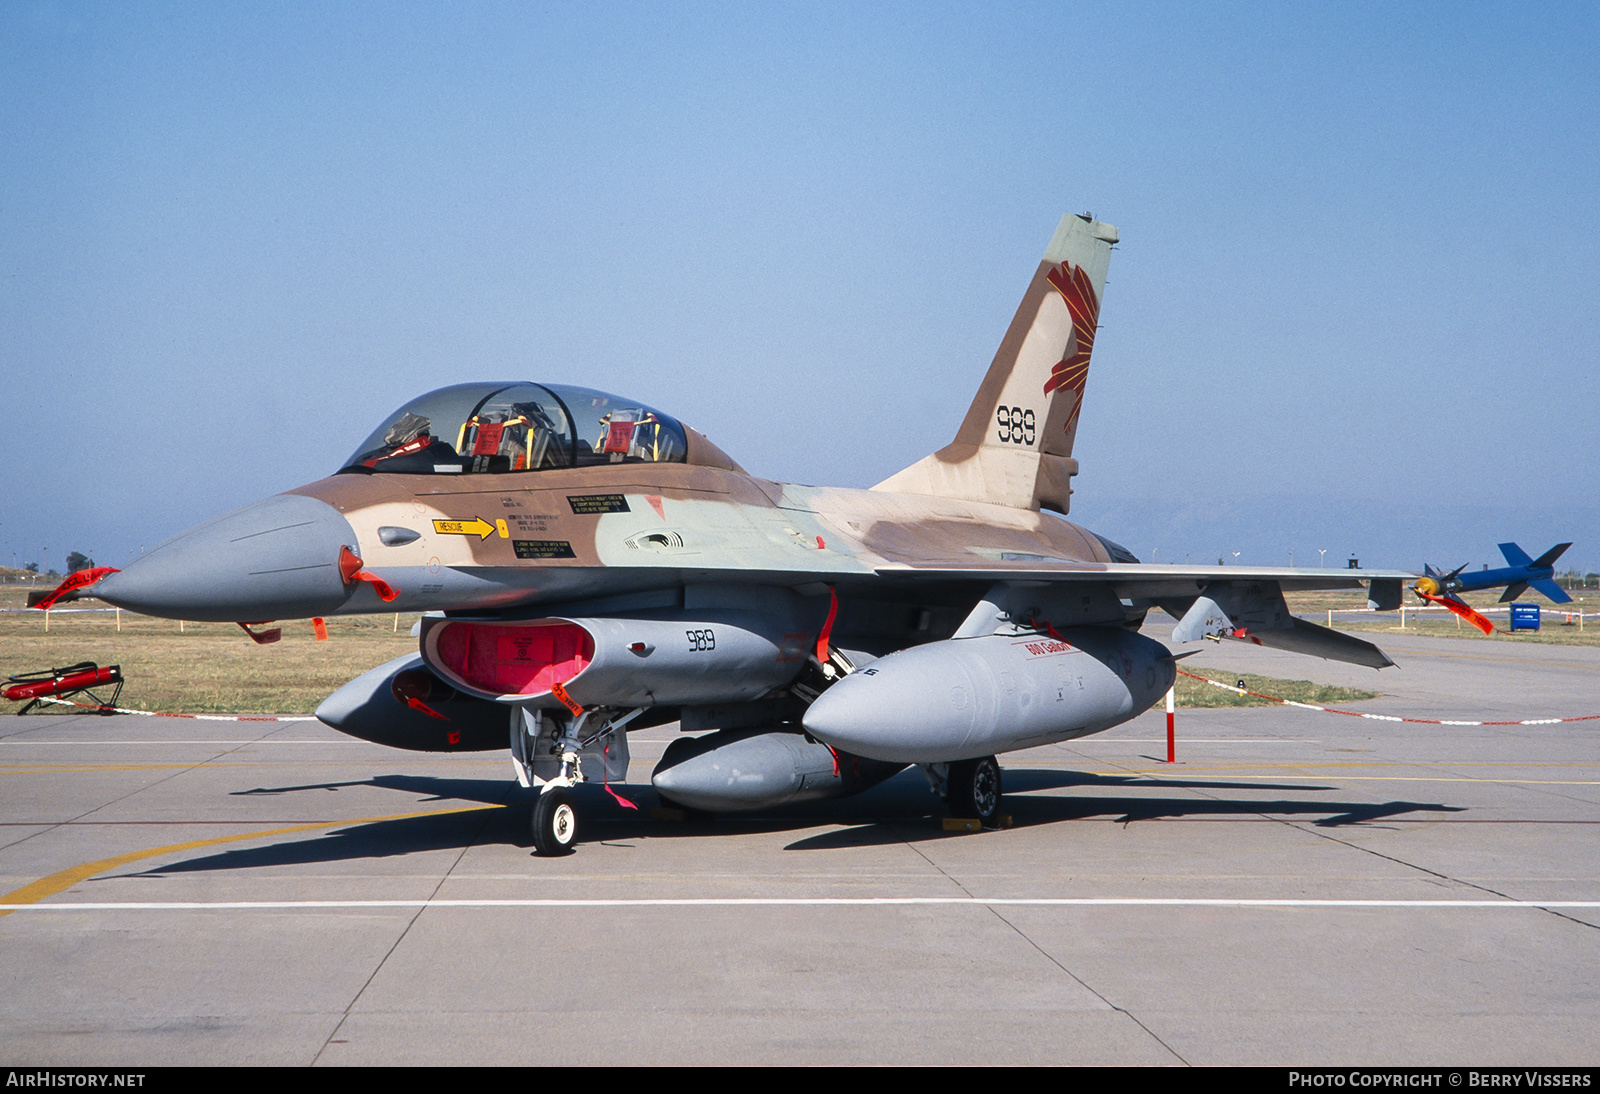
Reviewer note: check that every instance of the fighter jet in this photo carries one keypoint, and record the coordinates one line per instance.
(589, 565)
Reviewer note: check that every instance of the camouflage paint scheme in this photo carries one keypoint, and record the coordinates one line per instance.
(934, 535)
(952, 568)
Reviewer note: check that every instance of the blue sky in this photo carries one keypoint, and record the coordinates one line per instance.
(1354, 307)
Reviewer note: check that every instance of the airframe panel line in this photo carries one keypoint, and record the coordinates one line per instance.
(794, 902)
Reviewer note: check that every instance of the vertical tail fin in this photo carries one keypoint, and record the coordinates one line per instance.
(1015, 445)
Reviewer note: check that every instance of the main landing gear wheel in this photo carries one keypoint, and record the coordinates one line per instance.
(975, 790)
(555, 823)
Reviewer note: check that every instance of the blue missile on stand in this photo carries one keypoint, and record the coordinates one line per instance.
(1518, 575)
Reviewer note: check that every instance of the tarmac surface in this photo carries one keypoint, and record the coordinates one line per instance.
(409, 921)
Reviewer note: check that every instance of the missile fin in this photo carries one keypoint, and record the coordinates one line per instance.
(1514, 590)
(1516, 556)
(1550, 556)
(1550, 589)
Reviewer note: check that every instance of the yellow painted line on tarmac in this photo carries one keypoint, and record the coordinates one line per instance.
(62, 880)
(1168, 773)
(1313, 765)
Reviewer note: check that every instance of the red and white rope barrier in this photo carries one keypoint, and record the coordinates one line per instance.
(194, 717)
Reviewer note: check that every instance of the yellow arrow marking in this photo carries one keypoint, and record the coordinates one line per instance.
(66, 879)
(477, 526)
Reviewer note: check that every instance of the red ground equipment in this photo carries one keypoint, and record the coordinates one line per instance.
(35, 687)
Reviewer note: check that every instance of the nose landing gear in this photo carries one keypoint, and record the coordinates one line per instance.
(555, 822)
(556, 753)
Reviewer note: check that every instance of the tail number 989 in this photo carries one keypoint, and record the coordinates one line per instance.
(701, 641)
(1016, 424)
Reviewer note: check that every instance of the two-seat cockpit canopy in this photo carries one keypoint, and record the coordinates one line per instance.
(504, 427)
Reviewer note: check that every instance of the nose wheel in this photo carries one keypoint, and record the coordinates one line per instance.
(555, 822)
(974, 789)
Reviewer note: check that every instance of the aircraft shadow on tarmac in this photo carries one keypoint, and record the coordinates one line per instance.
(901, 810)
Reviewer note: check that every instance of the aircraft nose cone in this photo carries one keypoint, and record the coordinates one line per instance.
(276, 559)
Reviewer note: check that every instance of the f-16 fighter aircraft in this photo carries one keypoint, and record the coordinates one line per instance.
(591, 565)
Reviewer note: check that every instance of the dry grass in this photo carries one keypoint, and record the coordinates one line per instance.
(1196, 693)
(200, 668)
(1558, 628)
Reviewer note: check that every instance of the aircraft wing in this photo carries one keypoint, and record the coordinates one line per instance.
(1235, 602)
(1138, 580)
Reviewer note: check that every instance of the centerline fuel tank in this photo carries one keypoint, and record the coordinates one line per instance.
(761, 767)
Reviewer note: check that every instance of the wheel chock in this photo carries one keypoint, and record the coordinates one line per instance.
(973, 824)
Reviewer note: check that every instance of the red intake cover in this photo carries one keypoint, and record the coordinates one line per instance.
(512, 659)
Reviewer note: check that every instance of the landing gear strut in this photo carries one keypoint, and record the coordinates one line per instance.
(974, 789)
(555, 753)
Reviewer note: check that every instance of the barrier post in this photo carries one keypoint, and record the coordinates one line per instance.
(1172, 740)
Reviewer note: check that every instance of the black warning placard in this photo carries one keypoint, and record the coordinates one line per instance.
(590, 504)
(543, 548)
